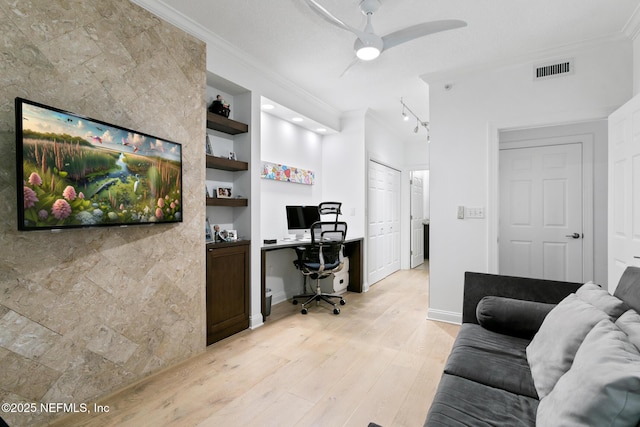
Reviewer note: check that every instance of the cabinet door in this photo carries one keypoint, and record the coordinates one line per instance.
(227, 291)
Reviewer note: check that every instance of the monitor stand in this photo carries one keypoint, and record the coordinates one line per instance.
(306, 235)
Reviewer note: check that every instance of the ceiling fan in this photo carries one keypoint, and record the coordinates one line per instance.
(369, 45)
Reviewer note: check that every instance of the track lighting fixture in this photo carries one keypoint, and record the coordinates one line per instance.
(419, 122)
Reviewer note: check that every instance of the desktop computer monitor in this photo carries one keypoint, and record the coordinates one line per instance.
(300, 218)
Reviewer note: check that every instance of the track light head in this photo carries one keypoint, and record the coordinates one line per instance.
(419, 122)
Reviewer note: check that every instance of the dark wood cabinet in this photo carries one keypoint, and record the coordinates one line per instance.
(228, 289)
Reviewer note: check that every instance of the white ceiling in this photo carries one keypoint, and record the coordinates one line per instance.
(295, 43)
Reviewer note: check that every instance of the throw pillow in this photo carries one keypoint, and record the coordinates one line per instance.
(600, 298)
(629, 323)
(518, 318)
(551, 352)
(602, 388)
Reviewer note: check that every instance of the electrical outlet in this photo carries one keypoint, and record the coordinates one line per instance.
(460, 212)
(477, 212)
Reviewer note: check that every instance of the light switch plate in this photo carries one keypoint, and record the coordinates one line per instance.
(460, 212)
(475, 212)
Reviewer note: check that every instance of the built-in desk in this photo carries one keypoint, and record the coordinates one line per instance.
(352, 249)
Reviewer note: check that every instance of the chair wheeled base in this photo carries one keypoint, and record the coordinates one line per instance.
(319, 296)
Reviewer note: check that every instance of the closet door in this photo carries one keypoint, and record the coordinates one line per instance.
(383, 221)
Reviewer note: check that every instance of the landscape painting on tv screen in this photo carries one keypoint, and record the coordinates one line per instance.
(74, 171)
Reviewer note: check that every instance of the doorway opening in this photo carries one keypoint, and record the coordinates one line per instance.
(419, 218)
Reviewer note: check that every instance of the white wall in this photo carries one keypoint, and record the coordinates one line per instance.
(344, 170)
(285, 143)
(464, 126)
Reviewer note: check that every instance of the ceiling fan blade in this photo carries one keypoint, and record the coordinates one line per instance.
(419, 30)
(329, 17)
(346, 70)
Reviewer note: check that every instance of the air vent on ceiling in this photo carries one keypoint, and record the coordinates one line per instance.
(554, 69)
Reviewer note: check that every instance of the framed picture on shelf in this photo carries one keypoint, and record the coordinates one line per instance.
(232, 156)
(224, 192)
(208, 148)
(232, 235)
(208, 232)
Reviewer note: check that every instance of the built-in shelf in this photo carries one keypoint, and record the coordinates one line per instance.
(226, 125)
(237, 202)
(222, 163)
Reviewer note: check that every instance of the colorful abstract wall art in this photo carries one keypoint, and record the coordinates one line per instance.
(287, 173)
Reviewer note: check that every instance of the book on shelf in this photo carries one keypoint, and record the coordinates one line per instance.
(208, 148)
(208, 231)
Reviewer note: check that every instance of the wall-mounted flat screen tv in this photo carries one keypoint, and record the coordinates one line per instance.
(74, 171)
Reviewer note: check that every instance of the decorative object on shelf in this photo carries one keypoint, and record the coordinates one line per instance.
(232, 235)
(285, 173)
(219, 236)
(220, 107)
(208, 148)
(418, 121)
(209, 235)
(224, 192)
(222, 236)
(232, 156)
(210, 190)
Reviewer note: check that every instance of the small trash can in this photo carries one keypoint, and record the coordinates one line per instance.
(267, 304)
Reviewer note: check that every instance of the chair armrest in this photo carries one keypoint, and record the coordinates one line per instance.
(480, 285)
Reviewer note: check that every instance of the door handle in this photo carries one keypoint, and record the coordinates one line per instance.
(574, 235)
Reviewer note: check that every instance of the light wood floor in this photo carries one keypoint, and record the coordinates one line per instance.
(380, 360)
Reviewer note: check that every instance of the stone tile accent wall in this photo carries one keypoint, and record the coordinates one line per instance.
(85, 312)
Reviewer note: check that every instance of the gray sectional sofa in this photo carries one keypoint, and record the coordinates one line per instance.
(547, 353)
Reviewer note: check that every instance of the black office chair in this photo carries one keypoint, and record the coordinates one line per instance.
(321, 259)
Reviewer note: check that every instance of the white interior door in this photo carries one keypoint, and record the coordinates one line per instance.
(417, 219)
(624, 190)
(383, 221)
(541, 203)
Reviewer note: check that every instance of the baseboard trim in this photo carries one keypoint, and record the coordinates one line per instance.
(444, 316)
(255, 321)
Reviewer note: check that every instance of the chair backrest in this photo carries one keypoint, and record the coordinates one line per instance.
(327, 239)
(330, 208)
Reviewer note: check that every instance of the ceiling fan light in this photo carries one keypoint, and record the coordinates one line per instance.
(367, 53)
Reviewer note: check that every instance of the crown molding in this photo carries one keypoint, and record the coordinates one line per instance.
(632, 27)
(169, 14)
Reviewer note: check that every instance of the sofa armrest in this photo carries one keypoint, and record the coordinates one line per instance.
(511, 316)
(480, 285)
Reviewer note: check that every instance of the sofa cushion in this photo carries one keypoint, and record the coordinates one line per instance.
(628, 288)
(629, 323)
(552, 350)
(492, 359)
(602, 388)
(462, 402)
(511, 316)
(600, 298)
